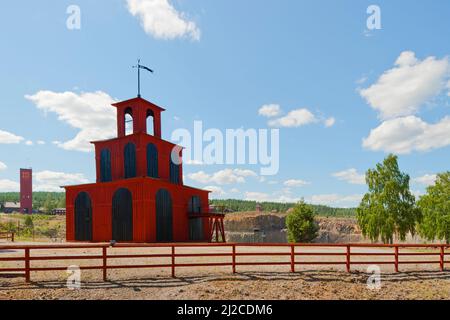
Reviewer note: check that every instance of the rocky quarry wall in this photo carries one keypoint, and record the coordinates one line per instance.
(271, 227)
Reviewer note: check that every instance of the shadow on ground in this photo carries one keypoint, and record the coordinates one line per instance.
(164, 282)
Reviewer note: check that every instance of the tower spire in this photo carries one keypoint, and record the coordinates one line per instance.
(139, 66)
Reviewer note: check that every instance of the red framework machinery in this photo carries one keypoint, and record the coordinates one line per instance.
(139, 195)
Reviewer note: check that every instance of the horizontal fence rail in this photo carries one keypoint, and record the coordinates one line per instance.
(293, 253)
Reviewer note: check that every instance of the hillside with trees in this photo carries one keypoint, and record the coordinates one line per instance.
(246, 205)
(47, 201)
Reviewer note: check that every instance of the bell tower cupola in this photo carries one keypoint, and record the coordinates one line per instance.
(138, 116)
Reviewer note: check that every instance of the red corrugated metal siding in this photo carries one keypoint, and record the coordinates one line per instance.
(144, 209)
(143, 189)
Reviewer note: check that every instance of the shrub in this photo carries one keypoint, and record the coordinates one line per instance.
(300, 224)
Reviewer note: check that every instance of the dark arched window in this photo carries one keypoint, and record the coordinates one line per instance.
(195, 223)
(164, 220)
(128, 121)
(152, 161)
(83, 217)
(129, 157)
(150, 122)
(105, 165)
(122, 215)
(174, 172)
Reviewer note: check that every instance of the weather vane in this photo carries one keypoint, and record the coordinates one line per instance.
(139, 66)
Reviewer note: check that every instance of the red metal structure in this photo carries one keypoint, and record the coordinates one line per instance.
(139, 195)
(26, 191)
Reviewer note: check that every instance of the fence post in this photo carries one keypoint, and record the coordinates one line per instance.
(105, 268)
(12, 237)
(292, 257)
(234, 258)
(348, 258)
(173, 261)
(441, 260)
(396, 258)
(27, 265)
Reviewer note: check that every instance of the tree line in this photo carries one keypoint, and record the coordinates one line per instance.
(247, 205)
(42, 201)
(388, 209)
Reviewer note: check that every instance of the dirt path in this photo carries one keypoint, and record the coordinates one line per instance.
(252, 285)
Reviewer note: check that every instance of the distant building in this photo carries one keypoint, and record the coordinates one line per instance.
(219, 209)
(258, 207)
(59, 211)
(26, 191)
(10, 207)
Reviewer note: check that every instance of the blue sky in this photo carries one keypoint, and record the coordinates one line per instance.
(220, 62)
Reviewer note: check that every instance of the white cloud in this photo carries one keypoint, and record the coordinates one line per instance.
(91, 113)
(351, 176)
(9, 138)
(295, 183)
(40, 142)
(216, 191)
(161, 20)
(361, 80)
(417, 193)
(9, 186)
(295, 118)
(402, 90)
(284, 195)
(330, 122)
(269, 110)
(427, 179)
(200, 176)
(29, 143)
(257, 196)
(406, 134)
(3, 166)
(52, 181)
(222, 177)
(234, 190)
(336, 200)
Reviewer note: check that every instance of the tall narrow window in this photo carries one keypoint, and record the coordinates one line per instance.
(152, 161)
(195, 223)
(83, 217)
(150, 122)
(128, 122)
(174, 172)
(105, 165)
(122, 215)
(129, 158)
(164, 216)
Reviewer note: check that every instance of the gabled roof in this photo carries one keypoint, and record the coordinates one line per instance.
(139, 100)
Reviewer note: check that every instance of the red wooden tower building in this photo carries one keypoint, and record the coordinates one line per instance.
(139, 195)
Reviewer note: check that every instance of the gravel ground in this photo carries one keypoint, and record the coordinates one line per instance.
(262, 282)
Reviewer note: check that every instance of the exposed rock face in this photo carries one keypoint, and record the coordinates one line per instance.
(338, 230)
(271, 227)
(255, 227)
